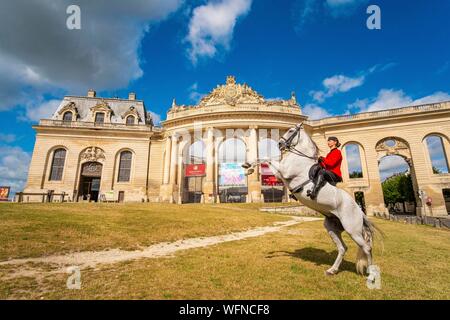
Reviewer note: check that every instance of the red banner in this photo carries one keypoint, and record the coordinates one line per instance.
(4, 193)
(271, 181)
(195, 170)
(265, 170)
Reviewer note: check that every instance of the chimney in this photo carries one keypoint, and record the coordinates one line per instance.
(132, 96)
(91, 93)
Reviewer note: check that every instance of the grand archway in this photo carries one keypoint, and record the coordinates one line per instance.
(90, 178)
(397, 175)
(233, 185)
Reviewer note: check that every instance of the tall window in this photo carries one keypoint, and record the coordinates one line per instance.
(232, 150)
(67, 116)
(125, 166)
(130, 120)
(437, 154)
(99, 117)
(59, 157)
(353, 161)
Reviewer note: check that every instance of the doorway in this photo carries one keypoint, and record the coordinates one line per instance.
(90, 179)
(359, 198)
(446, 193)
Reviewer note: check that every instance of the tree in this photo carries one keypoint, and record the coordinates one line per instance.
(436, 170)
(398, 188)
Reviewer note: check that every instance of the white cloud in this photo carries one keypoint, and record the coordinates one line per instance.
(390, 99)
(42, 56)
(315, 112)
(337, 84)
(8, 138)
(306, 10)
(156, 117)
(194, 94)
(14, 164)
(212, 25)
(390, 165)
(43, 110)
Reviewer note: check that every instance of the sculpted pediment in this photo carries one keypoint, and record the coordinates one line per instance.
(102, 106)
(232, 94)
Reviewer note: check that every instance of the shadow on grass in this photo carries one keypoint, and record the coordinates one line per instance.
(318, 256)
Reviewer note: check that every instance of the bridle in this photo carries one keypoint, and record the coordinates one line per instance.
(286, 144)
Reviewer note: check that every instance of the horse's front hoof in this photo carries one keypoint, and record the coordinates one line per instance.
(246, 165)
(331, 272)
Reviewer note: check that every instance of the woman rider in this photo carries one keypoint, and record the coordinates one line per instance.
(331, 165)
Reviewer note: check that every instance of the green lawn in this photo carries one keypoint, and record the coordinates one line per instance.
(32, 230)
(289, 264)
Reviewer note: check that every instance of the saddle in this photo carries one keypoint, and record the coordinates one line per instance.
(318, 178)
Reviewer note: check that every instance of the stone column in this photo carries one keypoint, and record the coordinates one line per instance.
(173, 160)
(170, 165)
(254, 183)
(374, 197)
(167, 160)
(208, 186)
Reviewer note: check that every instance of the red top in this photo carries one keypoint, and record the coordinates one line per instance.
(332, 162)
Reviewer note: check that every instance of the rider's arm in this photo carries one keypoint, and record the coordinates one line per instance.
(331, 159)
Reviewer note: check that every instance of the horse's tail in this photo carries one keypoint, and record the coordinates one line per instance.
(368, 231)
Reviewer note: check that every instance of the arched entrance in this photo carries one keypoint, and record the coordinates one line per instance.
(90, 178)
(397, 176)
(194, 172)
(272, 189)
(232, 186)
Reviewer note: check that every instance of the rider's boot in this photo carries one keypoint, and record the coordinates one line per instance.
(317, 186)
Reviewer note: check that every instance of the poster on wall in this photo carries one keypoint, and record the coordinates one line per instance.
(4, 193)
(232, 174)
(195, 170)
(268, 178)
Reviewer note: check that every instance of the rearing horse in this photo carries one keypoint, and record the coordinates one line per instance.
(340, 210)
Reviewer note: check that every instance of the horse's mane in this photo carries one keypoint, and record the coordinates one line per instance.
(316, 147)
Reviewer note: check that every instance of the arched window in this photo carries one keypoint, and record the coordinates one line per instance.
(130, 120)
(232, 150)
(268, 149)
(67, 116)
(56, 172)
(353, 157)
(436, 150)
(125, 166)
(99, 117)
(197, 153)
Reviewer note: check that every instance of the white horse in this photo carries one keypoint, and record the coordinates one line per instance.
(340, 210)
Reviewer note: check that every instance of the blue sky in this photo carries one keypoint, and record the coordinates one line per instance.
(321, 49)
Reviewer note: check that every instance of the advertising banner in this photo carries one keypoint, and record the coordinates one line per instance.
(232, 174)
(4, 193)
(195, 170)
(268, 178)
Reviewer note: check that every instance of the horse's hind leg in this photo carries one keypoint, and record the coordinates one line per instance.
(364, 259)
(335, 229)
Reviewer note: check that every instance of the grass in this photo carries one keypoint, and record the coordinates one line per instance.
(288, 264)
(32, 230)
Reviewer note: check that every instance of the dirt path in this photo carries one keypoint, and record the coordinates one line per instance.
(93, 258)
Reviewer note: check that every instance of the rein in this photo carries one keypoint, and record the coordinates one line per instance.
(287, 144)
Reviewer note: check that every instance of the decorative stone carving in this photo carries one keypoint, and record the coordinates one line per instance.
(71, 107)
(102, 107)
(93, 154)
(232, 94)
(133, 112)
(393, 146)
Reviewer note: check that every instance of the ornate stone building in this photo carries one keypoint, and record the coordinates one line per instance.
(108, 149)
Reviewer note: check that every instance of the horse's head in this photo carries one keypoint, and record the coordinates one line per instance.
(291, 138)
(299, 142)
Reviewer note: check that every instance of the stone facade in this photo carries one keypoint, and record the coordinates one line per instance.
(231, 111)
